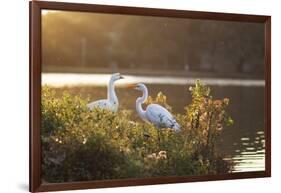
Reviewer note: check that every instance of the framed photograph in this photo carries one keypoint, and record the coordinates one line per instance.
(123, 96)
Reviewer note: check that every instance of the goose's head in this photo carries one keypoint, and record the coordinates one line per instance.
(138, 86)
(116, 76)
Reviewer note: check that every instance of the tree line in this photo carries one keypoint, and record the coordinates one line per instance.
(91, 42)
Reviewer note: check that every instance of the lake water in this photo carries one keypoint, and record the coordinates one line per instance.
(243, 142)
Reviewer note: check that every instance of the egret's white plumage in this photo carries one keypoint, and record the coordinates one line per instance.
(111, 103)
(154, 113)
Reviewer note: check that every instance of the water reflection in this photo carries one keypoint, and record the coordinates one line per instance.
(74, 79)
(243, 142)
(249, 154)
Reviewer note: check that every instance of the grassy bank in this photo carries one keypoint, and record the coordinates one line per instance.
(80, 145)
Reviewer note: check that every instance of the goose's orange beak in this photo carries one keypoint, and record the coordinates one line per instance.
(131, 85)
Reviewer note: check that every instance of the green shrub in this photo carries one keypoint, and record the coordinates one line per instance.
(80, 145)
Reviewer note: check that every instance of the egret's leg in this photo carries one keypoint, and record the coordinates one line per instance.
(159, 142)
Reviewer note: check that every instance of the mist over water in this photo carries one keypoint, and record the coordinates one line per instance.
(76, 79)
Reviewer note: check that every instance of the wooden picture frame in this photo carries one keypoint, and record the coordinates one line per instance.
(35, 93)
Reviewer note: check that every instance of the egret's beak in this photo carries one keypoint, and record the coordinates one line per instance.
(131, 85)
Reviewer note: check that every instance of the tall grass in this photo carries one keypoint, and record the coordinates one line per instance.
(79, 144)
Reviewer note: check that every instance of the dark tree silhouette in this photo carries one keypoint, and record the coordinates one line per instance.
(90, 42)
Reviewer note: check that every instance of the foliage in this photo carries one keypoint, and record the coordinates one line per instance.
(79, 144)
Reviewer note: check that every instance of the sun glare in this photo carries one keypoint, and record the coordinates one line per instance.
(45, 11)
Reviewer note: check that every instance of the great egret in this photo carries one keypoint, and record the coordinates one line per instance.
(111, 103)
(154, 113)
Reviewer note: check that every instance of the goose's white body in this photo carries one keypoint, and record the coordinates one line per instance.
(111, 103)
(160, 117)
(104, 104)
(154, 113)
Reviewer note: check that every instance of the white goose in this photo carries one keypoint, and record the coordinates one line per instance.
(154, 113)
(111, 103)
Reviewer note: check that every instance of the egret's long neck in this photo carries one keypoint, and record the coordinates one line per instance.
(139, 102)
(111, 96)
